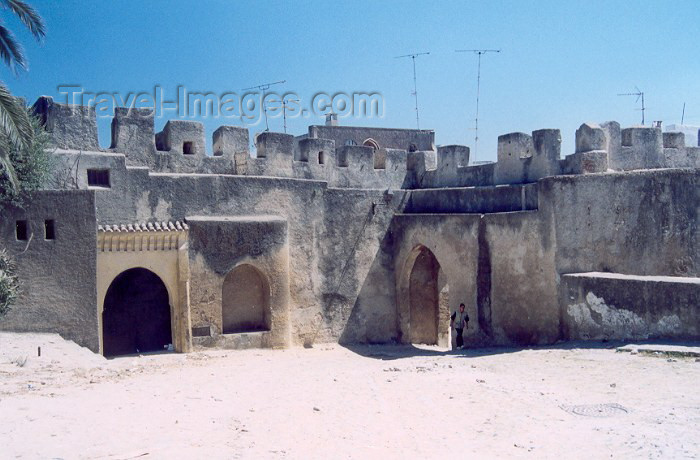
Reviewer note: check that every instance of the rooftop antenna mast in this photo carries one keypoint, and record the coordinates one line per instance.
(415, 85)
(264, 87)
(478, 90)
(639, 94)
(683, 116)
(285, 103)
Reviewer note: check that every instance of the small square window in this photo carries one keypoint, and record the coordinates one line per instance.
(49, 230)
(188, 148)
(21, 230)
(321, 157)
(98, 178)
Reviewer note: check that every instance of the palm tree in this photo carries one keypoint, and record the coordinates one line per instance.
(15, 125)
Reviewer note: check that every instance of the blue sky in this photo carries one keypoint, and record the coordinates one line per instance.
(562, 63)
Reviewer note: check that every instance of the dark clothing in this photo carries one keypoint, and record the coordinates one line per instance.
(460, 340)
(460, 320)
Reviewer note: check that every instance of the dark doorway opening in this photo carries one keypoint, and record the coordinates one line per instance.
(136, 316)
(424, 297)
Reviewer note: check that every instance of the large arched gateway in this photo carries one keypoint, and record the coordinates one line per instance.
(136, 316)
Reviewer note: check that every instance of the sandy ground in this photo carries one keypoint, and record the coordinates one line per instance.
(335, 402)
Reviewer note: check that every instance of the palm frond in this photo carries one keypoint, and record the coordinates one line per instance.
(28, 15)
(14, 119)
(10, 50)
(7, 168)
(15, 131)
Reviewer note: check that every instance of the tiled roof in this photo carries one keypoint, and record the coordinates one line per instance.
(176, 226)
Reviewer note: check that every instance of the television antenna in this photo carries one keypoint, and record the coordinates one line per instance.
(415, 86)
(683, 116)
(640, 95)
(285, 104)
(264, 87)
(478, 90)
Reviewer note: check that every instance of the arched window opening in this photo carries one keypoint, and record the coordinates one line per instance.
(371, 143)
(379, 154)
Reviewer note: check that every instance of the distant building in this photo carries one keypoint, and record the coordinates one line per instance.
(691, 133)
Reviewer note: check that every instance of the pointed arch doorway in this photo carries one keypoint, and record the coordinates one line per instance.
(424, 300)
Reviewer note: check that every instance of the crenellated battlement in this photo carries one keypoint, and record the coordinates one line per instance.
(354, 157)
(327, 236)
(524, 158)
(71, 126)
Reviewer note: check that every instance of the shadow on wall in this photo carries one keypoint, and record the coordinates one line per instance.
(372, 317)
(423, 298)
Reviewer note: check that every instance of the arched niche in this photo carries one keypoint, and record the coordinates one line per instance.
(245, 301)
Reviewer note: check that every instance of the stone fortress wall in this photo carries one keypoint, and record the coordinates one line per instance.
(335, 154)
(344, 226)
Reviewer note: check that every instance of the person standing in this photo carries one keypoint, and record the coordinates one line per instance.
(459, 321)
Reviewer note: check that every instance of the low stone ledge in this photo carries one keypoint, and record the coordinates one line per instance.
(616, 306)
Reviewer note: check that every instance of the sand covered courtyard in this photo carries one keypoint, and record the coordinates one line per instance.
(336, 402)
